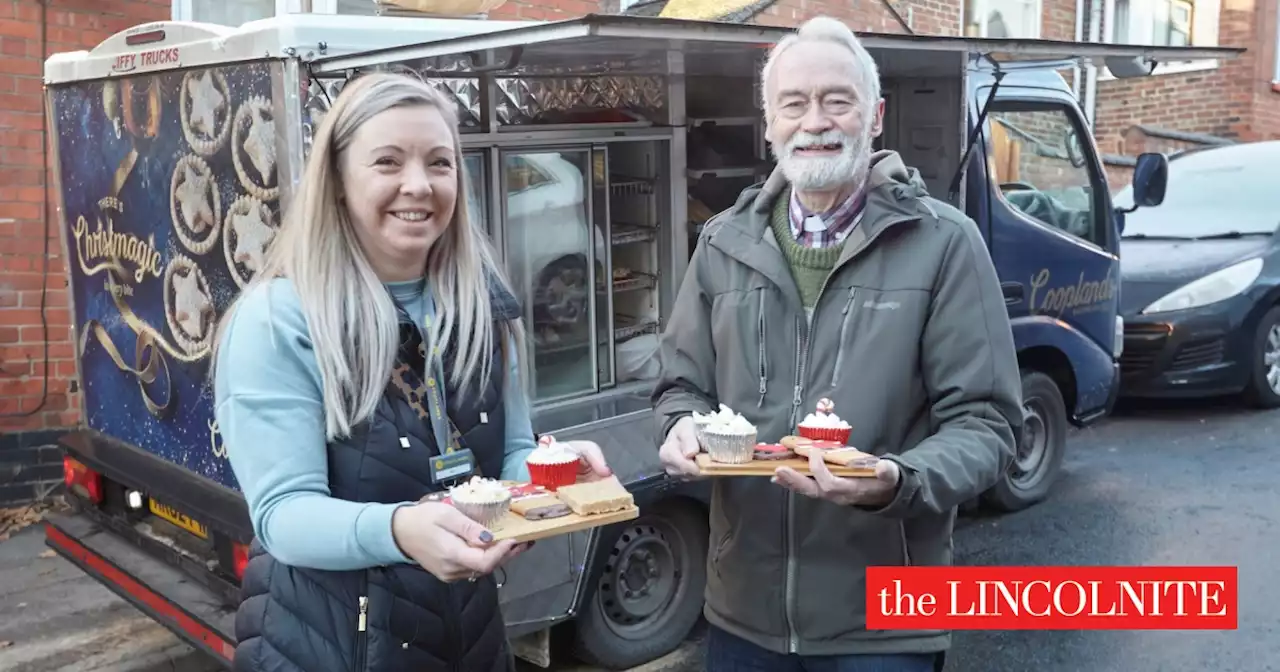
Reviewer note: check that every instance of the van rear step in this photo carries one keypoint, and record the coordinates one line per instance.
(194, 613)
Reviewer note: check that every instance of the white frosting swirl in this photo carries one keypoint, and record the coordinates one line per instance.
(725, 414)
(480, 490)
(550, 451)
(724, 421)
(825, 421)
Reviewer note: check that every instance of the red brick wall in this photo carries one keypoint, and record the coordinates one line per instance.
(1058, 20)
(545, 10)
(927, 17)
(28, 32)
(1265, 122)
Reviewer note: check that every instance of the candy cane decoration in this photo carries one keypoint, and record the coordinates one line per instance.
(546, 440)
(826, 406)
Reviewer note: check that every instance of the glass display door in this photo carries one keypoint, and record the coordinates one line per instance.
(580, 232)
(553, 263)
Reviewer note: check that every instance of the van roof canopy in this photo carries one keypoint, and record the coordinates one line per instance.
(618, 44)
(622, 44)
(169, 45)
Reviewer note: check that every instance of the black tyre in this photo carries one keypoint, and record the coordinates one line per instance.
(1263, 389)
(1041, 448)
(650, 591)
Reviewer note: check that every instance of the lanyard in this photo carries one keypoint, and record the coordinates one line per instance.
(446, 434)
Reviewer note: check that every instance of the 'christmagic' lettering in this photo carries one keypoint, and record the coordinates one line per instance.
(105, 243)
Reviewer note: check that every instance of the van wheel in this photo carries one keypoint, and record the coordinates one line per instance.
(1263, 390)
(650, 591)
(1041, 447)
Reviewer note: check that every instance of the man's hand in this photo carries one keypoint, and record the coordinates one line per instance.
(877, 491)
(680, 449)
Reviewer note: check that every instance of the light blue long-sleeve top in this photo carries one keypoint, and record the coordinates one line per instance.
(270, 412)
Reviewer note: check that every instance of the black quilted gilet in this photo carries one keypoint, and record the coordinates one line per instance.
(294, 619)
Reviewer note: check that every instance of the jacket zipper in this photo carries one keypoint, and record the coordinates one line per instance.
(362, 635)
(764, 373)
(802, 357)
(790, 517)
(844, 334)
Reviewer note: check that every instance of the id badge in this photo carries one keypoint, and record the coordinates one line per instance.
(454, 466)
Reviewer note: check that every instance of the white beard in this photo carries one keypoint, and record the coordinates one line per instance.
(824, 173)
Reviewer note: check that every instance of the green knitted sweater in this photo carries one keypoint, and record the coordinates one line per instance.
(809, 266)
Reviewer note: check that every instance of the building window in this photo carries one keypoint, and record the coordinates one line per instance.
(1171, 23)
(1002, 18)
(347, 7)
(227, 12)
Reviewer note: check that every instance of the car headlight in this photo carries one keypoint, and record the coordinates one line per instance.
(1217, 286)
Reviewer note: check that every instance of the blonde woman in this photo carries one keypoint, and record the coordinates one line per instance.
(334, 417)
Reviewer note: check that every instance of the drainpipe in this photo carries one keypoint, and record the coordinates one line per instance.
(1079, 37)
(1091, 79)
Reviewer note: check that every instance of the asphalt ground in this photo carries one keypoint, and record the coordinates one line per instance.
(1186, 483)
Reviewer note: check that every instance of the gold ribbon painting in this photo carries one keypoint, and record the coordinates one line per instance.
(151, 346)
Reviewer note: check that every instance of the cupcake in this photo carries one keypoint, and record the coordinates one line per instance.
(825, 425)
(553, 464)
(730, 440)
(700, 422)
(483, 500)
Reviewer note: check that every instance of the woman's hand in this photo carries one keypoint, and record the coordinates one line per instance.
(447, 543)
(592, 466)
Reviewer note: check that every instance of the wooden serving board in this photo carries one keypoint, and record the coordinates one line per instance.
(768, 467)
(515, 526)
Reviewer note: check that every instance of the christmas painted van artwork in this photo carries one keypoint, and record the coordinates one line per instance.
(170, 195)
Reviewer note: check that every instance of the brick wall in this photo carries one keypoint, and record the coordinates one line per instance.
(544, 10)
(37, 391)
(926, 17)
(1058, 20)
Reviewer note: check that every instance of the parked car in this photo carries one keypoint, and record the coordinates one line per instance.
(1200, 279)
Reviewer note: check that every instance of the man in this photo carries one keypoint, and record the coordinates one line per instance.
(837, 278)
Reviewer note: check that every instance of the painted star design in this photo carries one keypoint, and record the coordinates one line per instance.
(193, 199)
(191, 303)
(252, 237)
(261, 144)
(206, 102)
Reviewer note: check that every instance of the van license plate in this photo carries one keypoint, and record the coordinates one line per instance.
(178, 518)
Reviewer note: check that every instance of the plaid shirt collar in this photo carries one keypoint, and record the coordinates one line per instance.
(836, 224)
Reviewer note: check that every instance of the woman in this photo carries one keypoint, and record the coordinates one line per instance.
(335, 420)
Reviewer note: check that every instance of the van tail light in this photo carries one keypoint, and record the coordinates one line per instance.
(81, 479)
(239, 559)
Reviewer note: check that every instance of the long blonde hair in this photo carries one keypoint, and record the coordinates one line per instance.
(351, 317)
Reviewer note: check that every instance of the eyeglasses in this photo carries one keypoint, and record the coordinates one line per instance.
(830, 105)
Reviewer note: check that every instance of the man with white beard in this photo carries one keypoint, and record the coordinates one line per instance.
(839, 281)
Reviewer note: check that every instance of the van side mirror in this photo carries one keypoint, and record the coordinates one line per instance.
(1150, 178)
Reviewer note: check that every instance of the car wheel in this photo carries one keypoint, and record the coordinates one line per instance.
(1041, 446)
(1264, 385)
(650, 591)
(560, 302)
